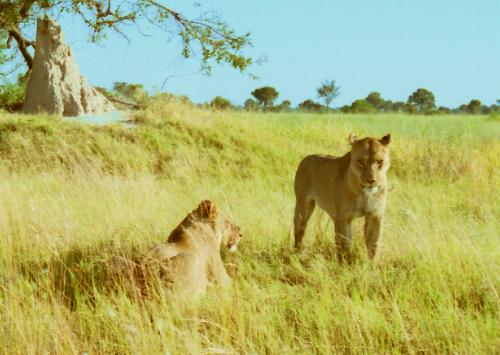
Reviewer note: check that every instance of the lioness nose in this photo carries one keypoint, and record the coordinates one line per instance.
(370, 181)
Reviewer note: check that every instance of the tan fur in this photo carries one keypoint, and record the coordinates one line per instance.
(354, 185)
(190, 258)
(187, 262)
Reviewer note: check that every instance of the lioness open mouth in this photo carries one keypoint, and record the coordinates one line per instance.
(371, 189)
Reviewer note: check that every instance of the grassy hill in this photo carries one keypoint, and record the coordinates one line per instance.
(72, 195)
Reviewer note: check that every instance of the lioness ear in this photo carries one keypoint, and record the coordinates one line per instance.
(385, 140)
(214, 213)
(352, 138)
(207, 210)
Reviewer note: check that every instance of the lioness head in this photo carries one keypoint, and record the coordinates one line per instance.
(370, 161)
(231, 235)
(229, 232)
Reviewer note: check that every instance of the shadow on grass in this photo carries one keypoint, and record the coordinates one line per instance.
(78, 275)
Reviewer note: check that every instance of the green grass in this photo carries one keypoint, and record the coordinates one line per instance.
(72, 195)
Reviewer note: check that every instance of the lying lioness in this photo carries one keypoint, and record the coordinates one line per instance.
(351, 186)
(190, 258)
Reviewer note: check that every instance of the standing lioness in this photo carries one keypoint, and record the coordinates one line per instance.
(351, 186)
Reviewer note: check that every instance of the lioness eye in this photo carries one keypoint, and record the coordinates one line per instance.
(361, 163)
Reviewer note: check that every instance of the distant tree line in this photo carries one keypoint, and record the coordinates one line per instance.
(421, 101)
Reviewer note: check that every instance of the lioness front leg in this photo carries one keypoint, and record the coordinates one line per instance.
(373, 231)
(217, 272)
(343, 239)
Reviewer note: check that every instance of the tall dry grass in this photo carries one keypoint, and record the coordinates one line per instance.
(72, 195)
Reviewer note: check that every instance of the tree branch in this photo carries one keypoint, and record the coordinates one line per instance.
(23, 45)
(215, 40)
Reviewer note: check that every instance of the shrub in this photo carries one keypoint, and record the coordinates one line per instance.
(251, 105)
(135, 93)
(361, 106)
(474, 107)
(11, 96)
(220, 103)
(310, 105)
(282, 107)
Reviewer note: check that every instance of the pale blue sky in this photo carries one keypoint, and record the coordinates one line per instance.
(451, 47)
